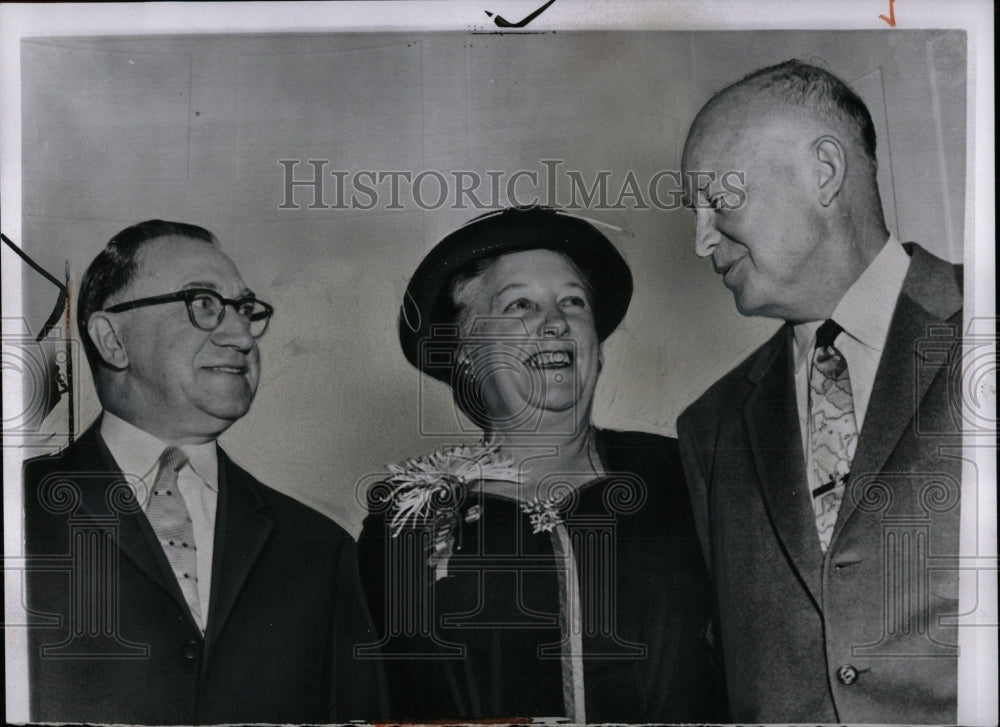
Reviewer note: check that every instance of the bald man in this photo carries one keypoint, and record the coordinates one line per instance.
(821, 489)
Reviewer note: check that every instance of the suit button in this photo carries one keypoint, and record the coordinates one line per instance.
(847, 675)
(191, 650)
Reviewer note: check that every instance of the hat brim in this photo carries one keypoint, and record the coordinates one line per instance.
(424, 338)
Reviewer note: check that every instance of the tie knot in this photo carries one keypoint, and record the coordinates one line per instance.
(172, 459)
(827, 333)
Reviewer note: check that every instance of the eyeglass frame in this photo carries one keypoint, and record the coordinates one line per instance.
(188, 295)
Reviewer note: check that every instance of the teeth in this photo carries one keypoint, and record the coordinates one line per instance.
(229, 369)
(551, 358)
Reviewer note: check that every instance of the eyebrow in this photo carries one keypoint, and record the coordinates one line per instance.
(512, 286)
(245, 293)
(509, 286)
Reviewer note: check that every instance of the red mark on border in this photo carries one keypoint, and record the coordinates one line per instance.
(891, 20)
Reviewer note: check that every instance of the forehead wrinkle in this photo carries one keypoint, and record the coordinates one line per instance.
(244, 292)
(470, 290)
(186, 262)
(743, 116)
(568, 283)
(767, 144)
(211, 285)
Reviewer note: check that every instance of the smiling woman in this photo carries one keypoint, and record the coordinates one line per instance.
(530, 350)
(552, 570)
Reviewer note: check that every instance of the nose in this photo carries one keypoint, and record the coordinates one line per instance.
(554, 323)
(233, 332)
(706, 235)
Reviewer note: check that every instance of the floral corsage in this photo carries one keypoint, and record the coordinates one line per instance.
(432, 488)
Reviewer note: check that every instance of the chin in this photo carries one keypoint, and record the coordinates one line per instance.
(228, 411)
(748, 307)
(561, 404)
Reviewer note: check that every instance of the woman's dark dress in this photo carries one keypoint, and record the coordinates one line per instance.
(495, 647)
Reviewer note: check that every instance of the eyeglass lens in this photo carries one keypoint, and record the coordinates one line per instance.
(208, 312)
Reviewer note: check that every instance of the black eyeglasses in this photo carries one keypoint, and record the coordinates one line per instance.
(206, 309)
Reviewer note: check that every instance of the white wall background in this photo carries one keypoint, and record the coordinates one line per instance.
(118, 130)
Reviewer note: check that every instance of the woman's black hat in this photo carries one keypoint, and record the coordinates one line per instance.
(428, 339)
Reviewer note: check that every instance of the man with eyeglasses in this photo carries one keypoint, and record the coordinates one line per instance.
(168, 585)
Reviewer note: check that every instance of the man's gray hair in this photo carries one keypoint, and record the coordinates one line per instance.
(814, 89)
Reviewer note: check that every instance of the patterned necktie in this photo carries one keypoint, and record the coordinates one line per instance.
(833, 430)
(171, 522)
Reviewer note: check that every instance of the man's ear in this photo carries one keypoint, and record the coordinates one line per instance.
(831, 161)
(103, 331)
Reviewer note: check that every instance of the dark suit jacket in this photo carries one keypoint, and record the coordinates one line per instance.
(120, 644)
(859, 634)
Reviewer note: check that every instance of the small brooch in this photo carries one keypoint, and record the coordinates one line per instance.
(544, 514)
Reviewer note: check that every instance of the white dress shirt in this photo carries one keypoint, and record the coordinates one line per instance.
(864, 313)
(137, 453)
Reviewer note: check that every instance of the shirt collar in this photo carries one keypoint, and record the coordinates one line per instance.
(804, 335)
(137, 451)
(865, 311)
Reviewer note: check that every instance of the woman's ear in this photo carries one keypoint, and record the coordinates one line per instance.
(103, 331)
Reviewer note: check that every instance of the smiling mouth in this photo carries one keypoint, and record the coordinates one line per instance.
(236, 370)
(724, 270)
(551, 359)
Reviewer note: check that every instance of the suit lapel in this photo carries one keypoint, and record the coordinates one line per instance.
(771, 416)
(930, 296)
(108, 500)
(242, 528)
